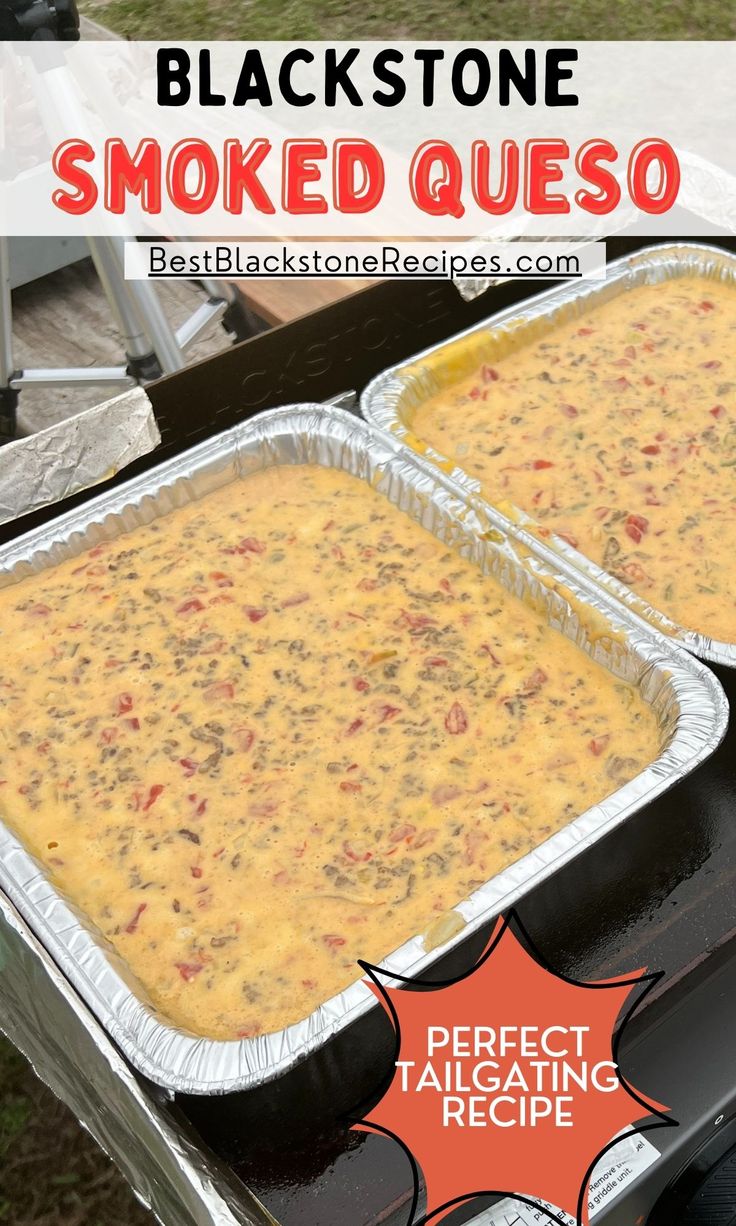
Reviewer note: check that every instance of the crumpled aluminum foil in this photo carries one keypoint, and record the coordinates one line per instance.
(687, 698)
(75, 454)
(392, 398)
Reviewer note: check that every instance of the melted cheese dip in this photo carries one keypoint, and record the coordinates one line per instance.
(282, 729)
(618, 433)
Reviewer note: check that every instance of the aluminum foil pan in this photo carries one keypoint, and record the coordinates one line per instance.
(686, 697)
(392, 398)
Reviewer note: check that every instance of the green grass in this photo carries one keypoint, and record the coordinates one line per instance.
(474, 20)
(51, 1172)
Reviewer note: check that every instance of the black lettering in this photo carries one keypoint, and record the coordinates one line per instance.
(252, 83)
(206, 96)
(428, 57)
(397, 91)
(554, 73)
(337, 74)
(172, 69)
(509, 73)
(288, 93)
(471, 55)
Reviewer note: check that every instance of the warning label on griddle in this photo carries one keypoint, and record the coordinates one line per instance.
(613, 1174)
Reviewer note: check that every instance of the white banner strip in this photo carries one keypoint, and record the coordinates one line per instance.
(436, 140)
(398, 261)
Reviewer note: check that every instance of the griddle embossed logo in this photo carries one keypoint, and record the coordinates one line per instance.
(507, 1081)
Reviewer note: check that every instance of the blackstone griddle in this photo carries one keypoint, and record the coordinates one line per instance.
(660, 891)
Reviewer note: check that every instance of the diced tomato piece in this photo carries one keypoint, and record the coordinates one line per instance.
(474, 840)
(651, 449)
(189, 766)
(598, 744)
(39, 610)
(191, 606)
(713, 364)
(353, 728)
(188, 970)
(585, 331)
(402, 833)
(707, 306)
(542, 464)
(220, 578)
(333, 942)
(414, 621)
(249, 544)
(219, 689)
(196, 871)
(265, 808)
(718, 411)
(635, 527)
(436, 662)
(569, 410)
(635, 573)
(535, 680)
(254, 615)
(133, 924)
(456, 721)
(356, 857)
(133, 723)
(387, 712)
(360, 684)
(489, 374)
(444, 793)
(244, 738)
(299, 598)
(346, 785)
(125, 703)
(153, 794)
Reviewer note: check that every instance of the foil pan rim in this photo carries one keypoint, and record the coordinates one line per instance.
(381, 400)
(185, 1063)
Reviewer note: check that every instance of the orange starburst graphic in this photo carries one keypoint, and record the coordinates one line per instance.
(506, 1079)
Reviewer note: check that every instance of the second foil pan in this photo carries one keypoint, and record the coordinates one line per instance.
(391, 400)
